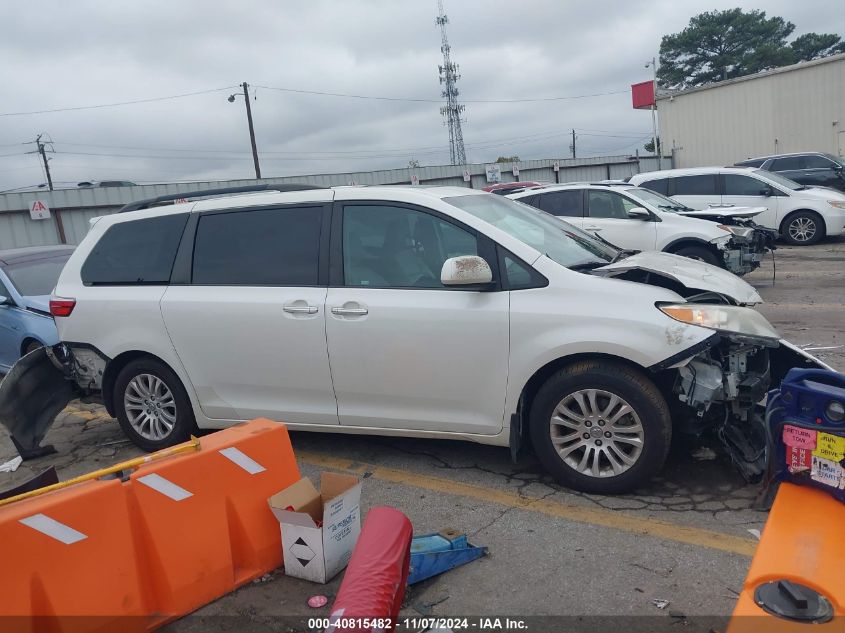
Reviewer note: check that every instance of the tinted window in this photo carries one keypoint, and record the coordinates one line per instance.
(788, 163)
(817, 162)
(703, 185)
(264, 247)
(36, 278)
(136, 252)
(3, 291)
(564, 203)
(661, 185)
(757, 162)
(608, 204)
(742, 185)
(386, 246)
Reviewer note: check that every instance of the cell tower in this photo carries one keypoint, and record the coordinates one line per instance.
(448, 78)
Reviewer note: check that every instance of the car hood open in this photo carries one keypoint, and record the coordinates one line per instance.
(691, 273)
(713, 212)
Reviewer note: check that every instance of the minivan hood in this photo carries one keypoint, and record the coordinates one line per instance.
(723, 212)
(690, 273)
(819, 193)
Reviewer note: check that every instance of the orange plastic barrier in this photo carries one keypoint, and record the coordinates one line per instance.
(802, 543)
(177, 534)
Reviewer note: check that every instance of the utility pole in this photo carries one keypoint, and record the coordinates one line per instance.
(245, 86)
(572, 147)
(449, 77)
(654, 134)
(41, 151)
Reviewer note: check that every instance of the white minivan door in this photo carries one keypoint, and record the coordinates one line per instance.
(745, 191)
(406, 351)
(249, 327)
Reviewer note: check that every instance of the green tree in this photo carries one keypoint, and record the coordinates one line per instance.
(507, 159)
(815, 46)
(721, 45)
(649, 147)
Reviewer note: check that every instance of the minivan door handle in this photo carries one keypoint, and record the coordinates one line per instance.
(301, 309)
(350, 311)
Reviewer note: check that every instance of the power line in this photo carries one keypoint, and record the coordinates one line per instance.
(119, 103)
(422, 100)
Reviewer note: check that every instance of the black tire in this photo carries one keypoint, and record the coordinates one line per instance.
(802, 228)
(700, 253)
(181, 410)
(609, 378)
(31, 346)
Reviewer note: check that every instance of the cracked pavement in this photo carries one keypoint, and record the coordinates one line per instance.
(552, 550)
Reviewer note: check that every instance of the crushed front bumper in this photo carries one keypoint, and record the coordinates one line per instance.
(744, 253)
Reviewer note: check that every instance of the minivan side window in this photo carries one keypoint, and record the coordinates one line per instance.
(135, 252)
(736, 185)
(702, 185)
(608, 204)
(561, 203)
(396, 247)
(258, 247)
(660, 185)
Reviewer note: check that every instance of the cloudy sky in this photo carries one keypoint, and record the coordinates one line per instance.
(59, 54)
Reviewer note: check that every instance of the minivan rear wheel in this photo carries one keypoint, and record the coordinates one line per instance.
(600, 427)
(152, 406)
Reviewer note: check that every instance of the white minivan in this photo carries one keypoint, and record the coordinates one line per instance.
(803, 215)
(411, 311)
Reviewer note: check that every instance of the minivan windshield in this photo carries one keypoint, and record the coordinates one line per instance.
(558, 240)
(783, 181)
(656, 200)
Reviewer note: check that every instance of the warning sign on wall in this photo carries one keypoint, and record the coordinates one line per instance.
(39, 210)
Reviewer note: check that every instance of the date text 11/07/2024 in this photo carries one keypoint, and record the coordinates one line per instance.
(421, 623)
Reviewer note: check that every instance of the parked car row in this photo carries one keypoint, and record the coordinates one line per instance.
(814, 169)
(409, 311)
(636, 218)
(801, 214)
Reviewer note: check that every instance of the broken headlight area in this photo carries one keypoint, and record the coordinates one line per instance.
(722, 388)
(744, 251)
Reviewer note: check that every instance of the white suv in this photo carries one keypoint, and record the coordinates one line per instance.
(803, 215)
(639, 219)
(426, 312)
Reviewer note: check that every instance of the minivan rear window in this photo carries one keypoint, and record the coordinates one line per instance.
(135, 252)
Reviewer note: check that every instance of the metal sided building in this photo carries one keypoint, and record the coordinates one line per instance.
(795, 108)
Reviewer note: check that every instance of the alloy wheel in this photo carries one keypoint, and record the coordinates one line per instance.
(150, 406)
(596, 433)
(802, 229)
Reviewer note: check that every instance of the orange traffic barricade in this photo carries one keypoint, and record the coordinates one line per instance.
(796, 578)
(132, 553)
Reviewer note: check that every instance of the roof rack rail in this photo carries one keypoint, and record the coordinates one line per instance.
(204, 193)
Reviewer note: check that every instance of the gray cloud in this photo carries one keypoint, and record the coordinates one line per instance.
(60, 54)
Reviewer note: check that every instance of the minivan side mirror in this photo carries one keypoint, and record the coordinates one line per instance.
(639, 213)
(465, 270)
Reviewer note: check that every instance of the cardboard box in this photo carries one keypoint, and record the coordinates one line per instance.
(312, 550)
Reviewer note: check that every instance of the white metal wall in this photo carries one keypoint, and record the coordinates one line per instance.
(77, 206)
(792, 109)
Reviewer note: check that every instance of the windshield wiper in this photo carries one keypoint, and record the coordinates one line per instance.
(623, 254)
(587, 265)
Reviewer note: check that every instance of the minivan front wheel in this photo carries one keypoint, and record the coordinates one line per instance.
(802, 228)
(601, 427)
(153, 408)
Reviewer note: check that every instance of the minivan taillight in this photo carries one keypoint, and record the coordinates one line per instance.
(62, 307)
